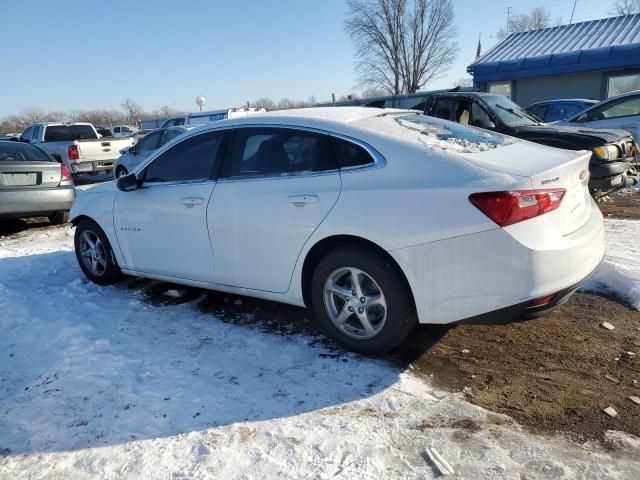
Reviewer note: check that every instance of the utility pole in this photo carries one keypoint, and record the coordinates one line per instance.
(508, 19)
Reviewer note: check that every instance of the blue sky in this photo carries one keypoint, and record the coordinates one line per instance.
(82, 54)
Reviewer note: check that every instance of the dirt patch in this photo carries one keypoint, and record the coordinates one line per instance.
(548, 374)
(624, 204)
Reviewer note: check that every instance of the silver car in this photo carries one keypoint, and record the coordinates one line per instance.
(132, 156)
(33, 184)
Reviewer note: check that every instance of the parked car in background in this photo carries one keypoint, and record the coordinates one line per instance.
(376, 219)
(141, 133)
(77, 145)
(32, 183)
(622, 111)
(132, 156)
(123, 131)
(561, 109)
(103, 131)
(200, 118)
(613, 151)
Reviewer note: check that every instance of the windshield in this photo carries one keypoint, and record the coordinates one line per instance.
(509, 112)
(68, 133)
(11, 151)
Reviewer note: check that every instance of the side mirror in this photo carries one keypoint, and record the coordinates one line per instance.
(127, 183)
(133, 150)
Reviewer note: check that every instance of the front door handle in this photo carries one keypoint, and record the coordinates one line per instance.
(302, 200)
(191, 202)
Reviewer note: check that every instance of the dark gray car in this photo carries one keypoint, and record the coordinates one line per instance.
(33, 184)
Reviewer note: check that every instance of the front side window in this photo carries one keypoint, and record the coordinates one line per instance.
(479, 117)
(26, 135)
(278, 151)
(188, 161)
(36, 132)
(623, 107)
(622, 84)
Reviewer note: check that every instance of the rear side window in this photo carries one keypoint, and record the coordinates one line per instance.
(278, 151)
(351, 155)
(68, 133)
(20, 152)
(149, 142)
(188, 161)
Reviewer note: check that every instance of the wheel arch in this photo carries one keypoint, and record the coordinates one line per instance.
(328, 244)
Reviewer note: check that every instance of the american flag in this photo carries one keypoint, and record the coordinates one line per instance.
(479, 48)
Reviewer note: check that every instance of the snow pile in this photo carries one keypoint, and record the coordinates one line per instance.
(619, 273)
(96, 382)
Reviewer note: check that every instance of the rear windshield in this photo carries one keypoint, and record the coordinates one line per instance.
(68, 133)
(21, 152)
(446, 135)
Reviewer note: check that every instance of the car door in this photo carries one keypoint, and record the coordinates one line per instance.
(277, 185)
(162, 226)
(622, 113)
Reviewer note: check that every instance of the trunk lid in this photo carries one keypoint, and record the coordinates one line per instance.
(547, 168)
(18, 175)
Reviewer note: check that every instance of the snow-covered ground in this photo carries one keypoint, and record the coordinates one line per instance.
(97, 383)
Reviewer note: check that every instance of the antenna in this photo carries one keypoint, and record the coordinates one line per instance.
(508, 19)
(573, 11)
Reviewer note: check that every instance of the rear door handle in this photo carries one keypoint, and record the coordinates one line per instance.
(302, 200)
(191, 202)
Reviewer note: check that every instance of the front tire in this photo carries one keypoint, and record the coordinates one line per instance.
(121, 171)
(362, 300)
(95, 255)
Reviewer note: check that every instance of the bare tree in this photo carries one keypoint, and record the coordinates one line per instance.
(401, 44)
(265, 103)
(625, 7)
(537, 19)
(464, 82)
(131, 109)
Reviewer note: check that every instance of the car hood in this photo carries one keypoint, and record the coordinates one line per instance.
(109, 186)
(554, 130)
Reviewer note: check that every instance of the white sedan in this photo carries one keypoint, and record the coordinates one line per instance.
(376, 219)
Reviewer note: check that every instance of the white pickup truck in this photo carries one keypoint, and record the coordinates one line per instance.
(77, 145)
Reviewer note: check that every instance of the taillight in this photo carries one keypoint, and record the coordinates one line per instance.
(65, 176)
(507, 208)
(73, 152)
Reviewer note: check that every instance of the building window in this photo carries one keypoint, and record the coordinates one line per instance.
(501, 88)
(622, 84)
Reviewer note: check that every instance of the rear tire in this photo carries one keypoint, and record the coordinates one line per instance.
(59, 218)
(95, 255)
(121, 171)
(370, 315)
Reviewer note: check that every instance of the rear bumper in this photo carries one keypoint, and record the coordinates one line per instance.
(36, 201)
(523, 311)
(92, 167)
(474, 277)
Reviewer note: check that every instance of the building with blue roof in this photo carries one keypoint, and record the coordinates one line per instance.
(595, 59)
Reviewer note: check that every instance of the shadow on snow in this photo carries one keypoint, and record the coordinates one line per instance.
(84, 366)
